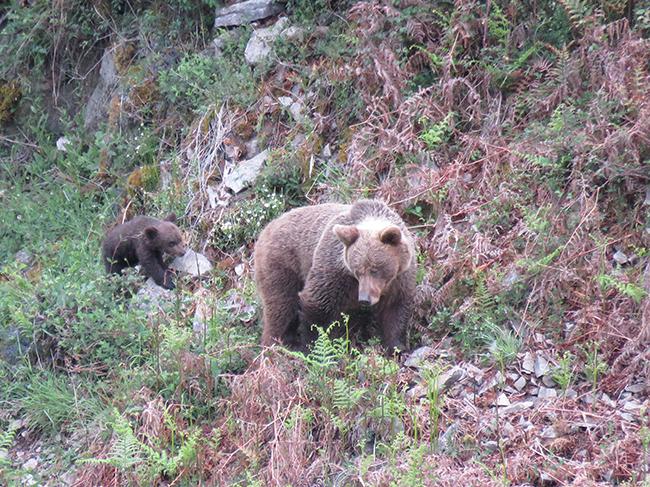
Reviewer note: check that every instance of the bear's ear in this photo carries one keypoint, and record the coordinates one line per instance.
(348, 234)
(171, 218)
(151, 233)
(391, 235)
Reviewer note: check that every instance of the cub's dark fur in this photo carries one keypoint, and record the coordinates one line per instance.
(143, 240)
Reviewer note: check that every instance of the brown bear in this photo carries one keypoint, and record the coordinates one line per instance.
(143, 240)
(315, 262)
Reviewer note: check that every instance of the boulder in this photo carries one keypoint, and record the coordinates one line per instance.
(242, 13)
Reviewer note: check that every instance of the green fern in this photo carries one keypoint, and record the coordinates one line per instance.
(629, 289)
(126, 450)
(6, 440)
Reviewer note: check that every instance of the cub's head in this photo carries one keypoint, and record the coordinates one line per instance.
(376, 252)
(167, 237)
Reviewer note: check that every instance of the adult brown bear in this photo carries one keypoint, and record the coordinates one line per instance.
(314, 262)
(143, 240)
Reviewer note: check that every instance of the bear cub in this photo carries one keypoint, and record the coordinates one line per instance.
(143, 240)
(314, 262)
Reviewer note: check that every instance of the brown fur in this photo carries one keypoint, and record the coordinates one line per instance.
(143, 241)
(315, 262)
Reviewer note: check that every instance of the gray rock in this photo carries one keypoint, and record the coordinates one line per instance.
(260, 45)
(546, 393)
(418, 357)
(548, 381)
(285, 101)
(520, 383)
(528, 363)
(152, 296)
(620, 258)
(449, 377)
(327, 151)
(632, 405)
(549, 433)
(97, 105)
(13, 346)
(236, 178)
(510, 279)
(502, 400)
(571, 393)
(31, 464)
(541, 366)
(491, 445)
(635, 388)
(192, 263)
(446, 439)
(517, 407)
(246, 12)
(62, 143)
(24, 257)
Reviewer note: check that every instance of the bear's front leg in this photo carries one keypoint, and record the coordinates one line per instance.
(392, 320)
(155, 268)
(321, 302)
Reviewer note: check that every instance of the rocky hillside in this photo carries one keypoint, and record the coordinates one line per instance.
(512, 137)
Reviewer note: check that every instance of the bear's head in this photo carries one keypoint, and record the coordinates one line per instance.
(166, 237)
(376, 252)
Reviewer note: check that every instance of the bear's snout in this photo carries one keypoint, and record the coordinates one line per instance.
(369, 292)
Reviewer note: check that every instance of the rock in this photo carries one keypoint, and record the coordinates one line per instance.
(97, 105)
(632, 406)
(546, 393)
(446, 439)
(549, 433)
(152, 296)
(418, 357)
(260, 45)
(24, 257)
(236, 178)
(239, 269)
(31, 464)
(520, 383)
(528, 363)
(294, 34)
(245, 12)
(517, 407)
(13, 346)
(192, 263)
(449, 377)
(491, 445)
(510, 279)
(327, 151)
(571, 393)
(252, 147)
(61, 144)
(620, 258)
(633, 388)
(502, 400)
(608, 400)
(416, 392)
(541, 367)
(285, 101)
(548, 381)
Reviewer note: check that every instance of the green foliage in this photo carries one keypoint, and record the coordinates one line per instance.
(246, 219)
(128, 453)
(199, 81)
(437, 133)
(594, 367)
(49, 403)
(563, 373)
(628, 289)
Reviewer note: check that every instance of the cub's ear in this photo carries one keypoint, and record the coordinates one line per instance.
(348, 234)
(171, 218)
(151, 233)
(391, 235)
